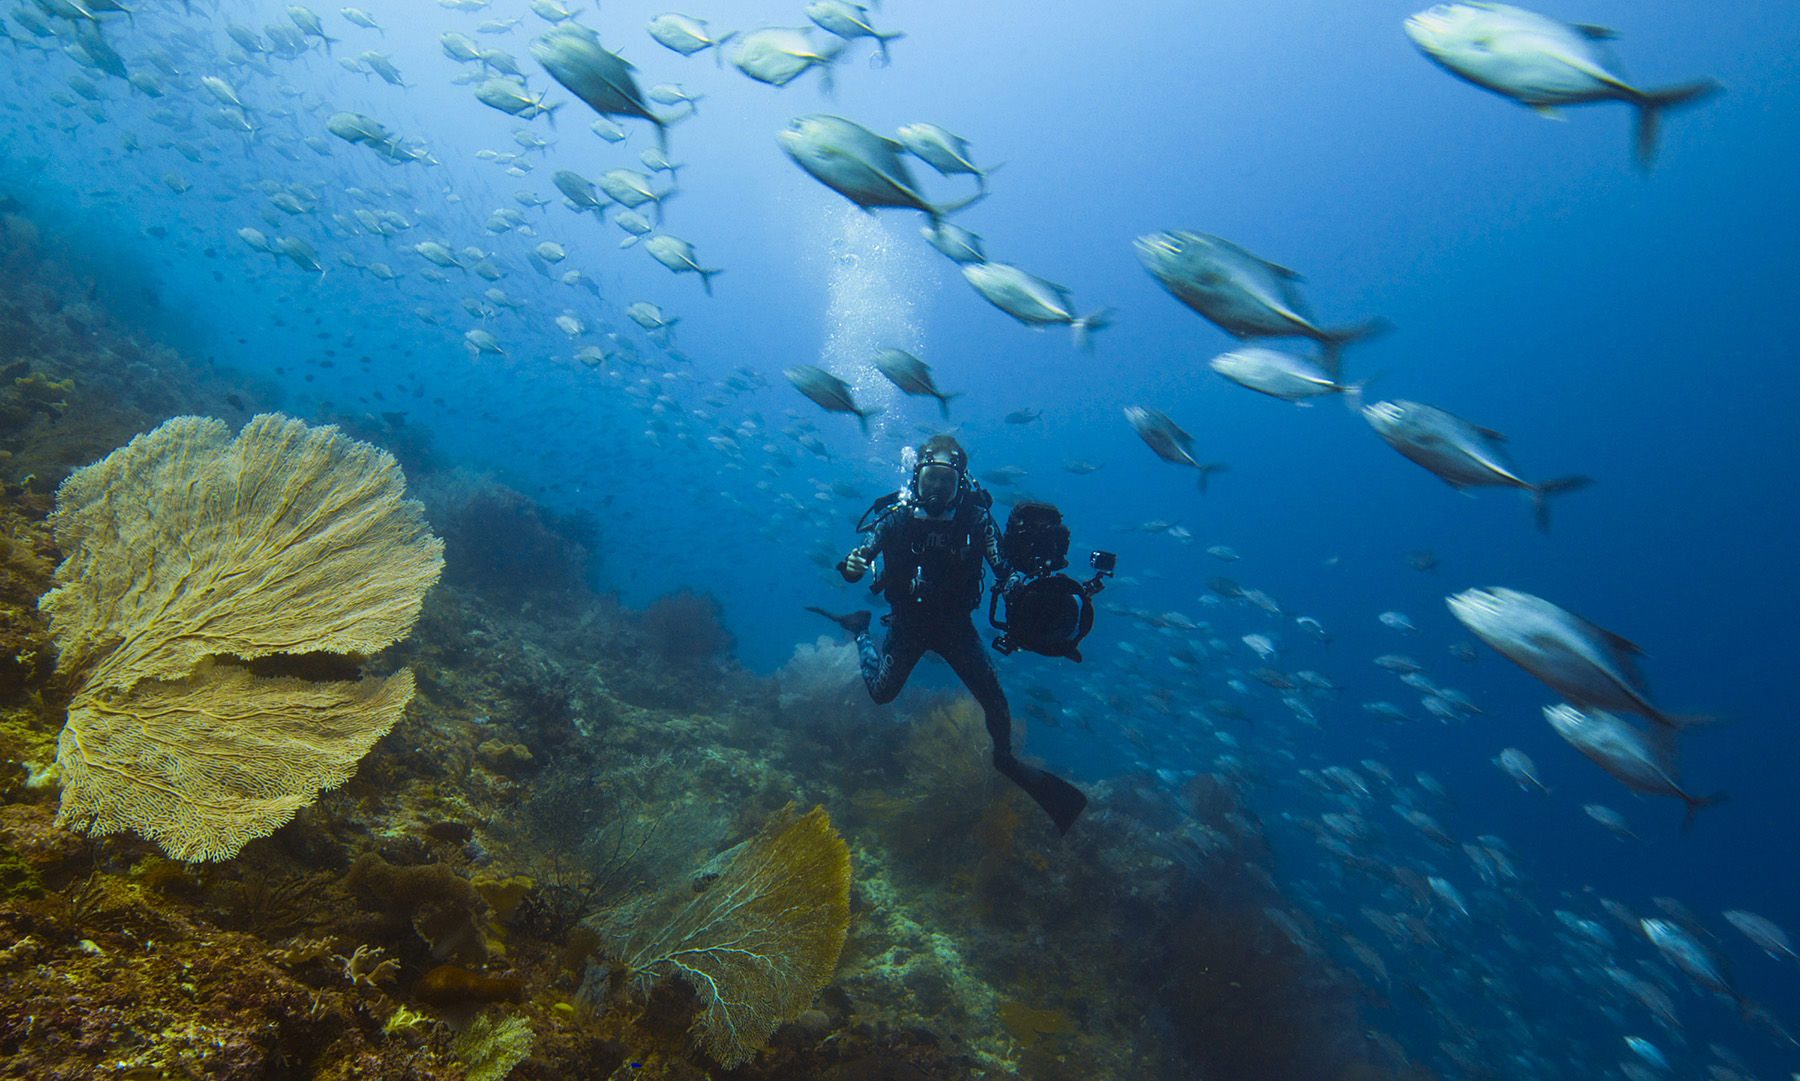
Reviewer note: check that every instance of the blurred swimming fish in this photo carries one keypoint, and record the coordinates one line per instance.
(1765, 933)
(678, 255)
(1542, 63)
(573, 56)
(1643, 761)
(954, 242)
(943, 150)
(1461, 454)
(1585, 664)
(687, 35)
(579, 190)
(1168, 441)
(505, 95)
(1284, 375)
(858, 164)
(850, 21)
(912, 376)
(828, 392)
(778, 55)
(1034, 301)
(1244, 295)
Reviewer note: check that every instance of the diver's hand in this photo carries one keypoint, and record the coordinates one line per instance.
(854, 566)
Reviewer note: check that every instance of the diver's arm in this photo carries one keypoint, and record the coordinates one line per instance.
(862, 557)
(990, 544)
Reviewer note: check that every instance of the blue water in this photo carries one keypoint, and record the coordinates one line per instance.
(1633, 328)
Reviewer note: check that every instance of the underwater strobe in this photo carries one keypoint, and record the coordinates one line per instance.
(1048, 613)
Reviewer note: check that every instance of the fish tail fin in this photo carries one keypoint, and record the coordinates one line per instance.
(706, 276)
(329, 42)
(940, 211)
(1696, 804)
(1335, 341)
(1087, 326)
(1541, 493)
(658, 200)
(944, 402)
(1683, 722)
(882, 59)
(1652, 104)
(548, 110)
(863, 415)
(718, 48)
(1354, 392)
(1206, 472)
(981, 175)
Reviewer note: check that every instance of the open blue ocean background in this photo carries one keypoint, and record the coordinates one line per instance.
(1635, 328)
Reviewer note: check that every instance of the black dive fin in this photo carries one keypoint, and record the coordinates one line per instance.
(855, 622)
(1062, 801)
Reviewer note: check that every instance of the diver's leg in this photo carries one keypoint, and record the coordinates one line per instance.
(961, 648)
(885, 670)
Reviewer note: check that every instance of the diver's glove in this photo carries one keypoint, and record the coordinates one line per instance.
(853, 567)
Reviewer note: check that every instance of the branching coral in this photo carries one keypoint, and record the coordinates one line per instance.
(185, 546)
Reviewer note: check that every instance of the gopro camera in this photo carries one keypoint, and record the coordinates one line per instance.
(1103, 562)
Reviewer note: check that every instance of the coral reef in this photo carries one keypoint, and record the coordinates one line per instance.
(502, 544)
(686, 628)
(562, 761)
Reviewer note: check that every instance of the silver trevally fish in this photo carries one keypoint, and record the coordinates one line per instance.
(572, 54)
(678, 255)
(1033, 301)
(687, 35)
(1170, 443)
(1244, 295)
(1542, 63)
(944, 151)
(650, 317)
(1283, 375)
(1766, 933)
(912, 376)
(858, 164)
(956, 243)
(632, 189)
(828, 392)
(1643, 761)
(777, 55)
(579, 190)
(1591, 667)
(850, 21)
(1461, 454)
(1699, 963)
(505, 95)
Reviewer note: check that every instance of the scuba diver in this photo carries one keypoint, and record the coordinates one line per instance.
(933, 537)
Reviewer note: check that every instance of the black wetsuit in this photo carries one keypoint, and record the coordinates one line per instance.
(931, 573)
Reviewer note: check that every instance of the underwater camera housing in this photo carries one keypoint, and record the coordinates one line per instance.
(1049, 613)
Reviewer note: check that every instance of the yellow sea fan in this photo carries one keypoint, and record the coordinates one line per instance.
(187, 545)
